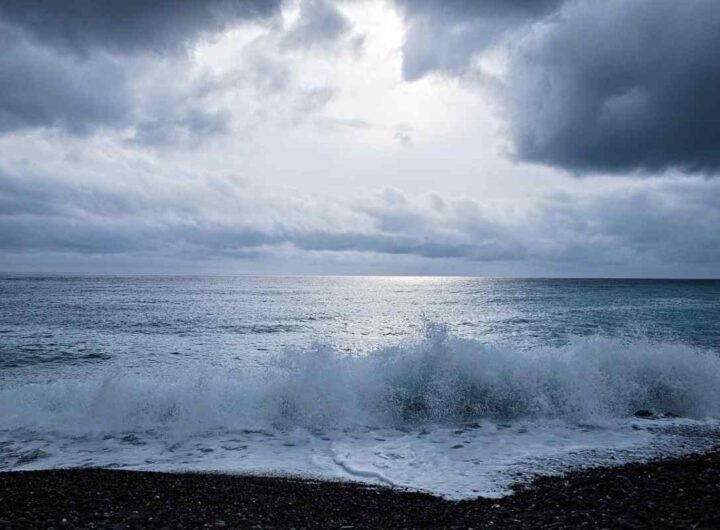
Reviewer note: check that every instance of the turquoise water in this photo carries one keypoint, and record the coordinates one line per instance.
(138, 321)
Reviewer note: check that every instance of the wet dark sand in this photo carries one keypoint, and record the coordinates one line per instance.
(682, 493)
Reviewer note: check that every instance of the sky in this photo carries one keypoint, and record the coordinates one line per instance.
(409, 137)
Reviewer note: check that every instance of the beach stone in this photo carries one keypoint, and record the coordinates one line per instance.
(643, 413)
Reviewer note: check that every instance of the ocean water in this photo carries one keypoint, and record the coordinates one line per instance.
(456, 386)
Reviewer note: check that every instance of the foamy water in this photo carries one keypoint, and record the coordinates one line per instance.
(454, 416)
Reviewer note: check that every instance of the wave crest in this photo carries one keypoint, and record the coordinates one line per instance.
(440, 379)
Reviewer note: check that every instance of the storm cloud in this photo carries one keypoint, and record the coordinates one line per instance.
(128, 26)
(444, 36)
(591, 86)
(617, 86)
(40, 88)
(83, 67)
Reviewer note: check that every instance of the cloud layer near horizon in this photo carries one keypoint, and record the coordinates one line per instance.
(669, 225)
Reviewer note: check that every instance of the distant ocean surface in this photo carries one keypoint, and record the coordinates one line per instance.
(457, 386)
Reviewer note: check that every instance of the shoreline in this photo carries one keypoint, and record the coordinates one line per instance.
(681, 492)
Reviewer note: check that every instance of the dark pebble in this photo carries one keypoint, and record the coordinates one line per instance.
(681, 493)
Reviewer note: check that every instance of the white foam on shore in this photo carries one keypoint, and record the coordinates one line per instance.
(455, 463)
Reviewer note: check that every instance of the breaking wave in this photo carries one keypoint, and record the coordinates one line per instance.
(441, 379)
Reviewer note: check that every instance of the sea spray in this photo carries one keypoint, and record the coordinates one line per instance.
(441, 379)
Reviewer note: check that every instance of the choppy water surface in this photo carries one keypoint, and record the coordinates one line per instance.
(453, 385)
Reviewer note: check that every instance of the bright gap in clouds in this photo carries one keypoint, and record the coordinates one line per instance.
(374, 130)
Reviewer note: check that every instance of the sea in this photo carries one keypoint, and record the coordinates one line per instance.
(460, 387)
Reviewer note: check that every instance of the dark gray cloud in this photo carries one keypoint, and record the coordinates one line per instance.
(617, 86)
(80, 66)
(39, 88)
(70, 65)
(445, 35)
(419, 245)
(127, 26)
(667, 224)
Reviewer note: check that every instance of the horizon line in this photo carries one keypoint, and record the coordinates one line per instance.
(271, 275)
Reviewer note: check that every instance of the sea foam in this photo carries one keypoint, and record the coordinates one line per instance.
(453, 416)
(439, 380)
